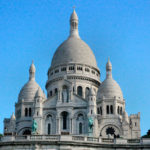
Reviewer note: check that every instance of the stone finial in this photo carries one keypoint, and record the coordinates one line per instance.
(39, 93)
(13, 117)
(108, 69)
(32, 71)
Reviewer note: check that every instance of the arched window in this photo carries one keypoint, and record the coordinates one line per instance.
(26, 112)
(27, 132)
(101, 112)
(56, 90)
(111, 109)
(64, 117)
(30, 112)
(107, 108)
(80, 128)
(118, 109)
(98, 111)
(79, 90)
(51, 93)
(87, 92)
(49, 128)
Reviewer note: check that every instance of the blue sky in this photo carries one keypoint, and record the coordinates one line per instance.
(119, 29)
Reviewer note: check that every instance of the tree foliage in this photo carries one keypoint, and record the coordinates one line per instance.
(147, 135)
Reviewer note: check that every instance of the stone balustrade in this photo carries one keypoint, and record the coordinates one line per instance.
(72, 138)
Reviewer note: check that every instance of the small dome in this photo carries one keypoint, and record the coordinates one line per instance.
(74, 50)
(29, 90)
(109, 87)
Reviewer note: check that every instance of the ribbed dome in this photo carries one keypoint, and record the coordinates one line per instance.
(109, 87)
(74, 50)
(29, 90)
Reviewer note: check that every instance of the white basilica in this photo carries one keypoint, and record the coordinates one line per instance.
(74, 94)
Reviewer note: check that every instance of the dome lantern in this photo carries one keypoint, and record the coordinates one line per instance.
(32, 72)
(108, 69)
(74, 25)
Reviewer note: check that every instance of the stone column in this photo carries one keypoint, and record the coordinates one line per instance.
(70, 95)
(83, 92)
(103, 108)
(22, 109)
(70, 128)
(58, 125)
(115, 106)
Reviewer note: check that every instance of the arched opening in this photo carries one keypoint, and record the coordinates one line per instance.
(48, 124)
(79, 90)
(98, 110)
(87, 90)
(30, 112)
(118, 109)
(107, 109)
(80, 123)
(110, 131)
(121, 111)
(26, 112)
(49, 128)
(111, 109)
(27, 132)
(56, 90)
(51, 93)
(64, 120)
(80, 128)
(101, 112)
(65, 94)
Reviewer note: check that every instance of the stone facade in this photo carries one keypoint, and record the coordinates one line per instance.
(77, 102)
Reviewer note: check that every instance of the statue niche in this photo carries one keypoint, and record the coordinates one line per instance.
(65, 94)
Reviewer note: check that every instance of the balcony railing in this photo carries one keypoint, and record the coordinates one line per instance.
(74, 138)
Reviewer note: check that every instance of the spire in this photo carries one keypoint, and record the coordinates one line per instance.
(32, 72)
(74, 25)
(13, 117)
(39, 93)
(108, 69)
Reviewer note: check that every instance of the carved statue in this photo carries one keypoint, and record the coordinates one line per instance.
(90, 125)
(65, 95)
(34, 127)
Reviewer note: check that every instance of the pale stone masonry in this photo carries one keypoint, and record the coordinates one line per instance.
(75, 94)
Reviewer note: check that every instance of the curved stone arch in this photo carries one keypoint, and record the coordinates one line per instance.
(113, 125)
(20, 132)
(59, 113)
(52, 113)
(80, 112)
(50, 121)
(65, 83)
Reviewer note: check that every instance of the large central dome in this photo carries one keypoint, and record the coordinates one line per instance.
(74, 50)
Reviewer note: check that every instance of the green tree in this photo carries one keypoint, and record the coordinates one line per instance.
(147, 135)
